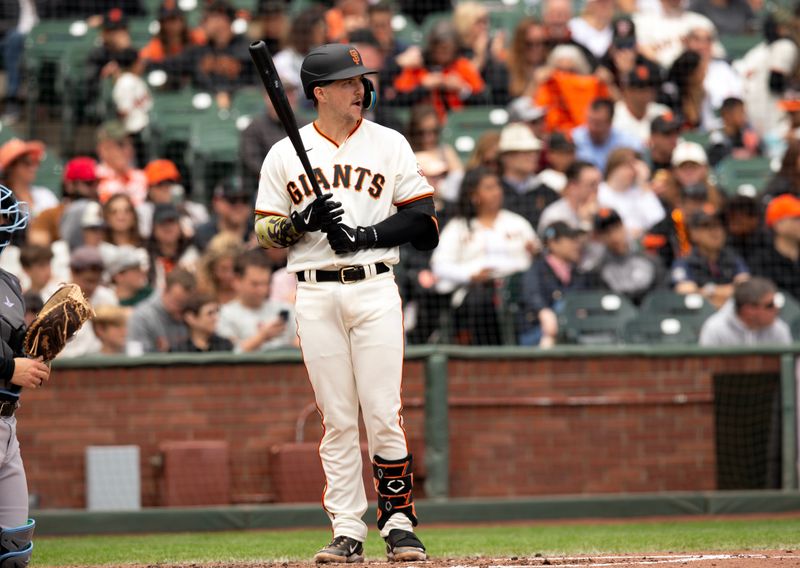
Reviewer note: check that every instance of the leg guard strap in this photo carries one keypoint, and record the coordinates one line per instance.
(17, 559)
(394, 483)
(17, 538)
(16, 545)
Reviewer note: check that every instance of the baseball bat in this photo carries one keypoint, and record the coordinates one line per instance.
(272, 83)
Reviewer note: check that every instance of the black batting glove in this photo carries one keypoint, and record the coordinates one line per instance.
(322, 213)
(347, 240)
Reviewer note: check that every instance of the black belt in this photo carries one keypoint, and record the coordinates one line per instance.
(8, 407)
(346, 275)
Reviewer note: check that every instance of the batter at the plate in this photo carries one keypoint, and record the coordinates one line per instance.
(349, 318)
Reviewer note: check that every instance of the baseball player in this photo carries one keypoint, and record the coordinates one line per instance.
(349, 317)
(16, 371)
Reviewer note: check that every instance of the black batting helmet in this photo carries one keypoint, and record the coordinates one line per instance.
(331, 62)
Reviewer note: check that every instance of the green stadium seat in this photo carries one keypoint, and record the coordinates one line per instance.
(702, 138)
(465, 127)
(595, 317)
(50, 172)
(788, 305)
(508, 310)
(76, 106)
(406, 30)
(737, 45)
(248, 101)
(733, 174)
(141, 30)
(691, 309)
(174, 113)
(431, 20)
(650, 329)
(212, 153)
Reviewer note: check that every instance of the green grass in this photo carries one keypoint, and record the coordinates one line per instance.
(496, 541)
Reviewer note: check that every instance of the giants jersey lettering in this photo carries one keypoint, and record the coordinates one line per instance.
(370, 173)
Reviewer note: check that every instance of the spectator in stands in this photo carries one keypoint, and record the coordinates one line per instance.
(344, 17)
(157, 322)
(787, 178)
(261, 134)
(484, 243)
(623, 55)
(121, 223)
(592, 28)
(89, 9)
(379, 17)
(578, 202)
(781, 262)
(747, 236)
(110, 325)
(87, 266)
(598, 137)
(132, 100)
(626, 191)
(251, 321)
(424, 135)
(167, 246)
(37, 274)
(767, 70)
(523, 109)
(127, 272)
(636, 110)
(233, 213)
(549, 277)
(523, 193)
(221, 65)
(215, 274)
(114, 37)
(486, 52)
(690, 168)
(19, 164)
(556, 16)
(272, 23)
(560, 155)
(735, 139)
(567, 87)
(729, 16)
(79, 185)
(19, 19)
(486, 153)
(661, 144)
(442, 77)
(750, 317)
(201, 315)
(527, 53)
(686, 95)
(308, 30)
(174, 35)
(622, 270)
(662, 33)
(721, 81)
(711, 268)
(163, 186)
(115, 170)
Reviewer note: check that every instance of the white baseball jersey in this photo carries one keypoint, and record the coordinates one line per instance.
(371, 173)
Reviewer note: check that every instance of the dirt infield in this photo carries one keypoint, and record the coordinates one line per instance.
(768, 559)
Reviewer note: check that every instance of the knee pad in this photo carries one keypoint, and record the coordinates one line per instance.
(394, 483)
(16, 545)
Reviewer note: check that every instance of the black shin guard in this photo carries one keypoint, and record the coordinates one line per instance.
(394, 483)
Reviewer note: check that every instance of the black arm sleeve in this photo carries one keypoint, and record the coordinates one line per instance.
(7, 367)
(414, 223)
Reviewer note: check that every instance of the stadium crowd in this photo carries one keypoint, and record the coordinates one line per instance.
(609, 173)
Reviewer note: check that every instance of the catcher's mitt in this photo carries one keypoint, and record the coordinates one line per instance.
(60, 318)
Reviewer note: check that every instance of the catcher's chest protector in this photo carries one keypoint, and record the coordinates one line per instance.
(12, 322)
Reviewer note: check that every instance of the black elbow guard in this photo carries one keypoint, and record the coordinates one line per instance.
(426, 237)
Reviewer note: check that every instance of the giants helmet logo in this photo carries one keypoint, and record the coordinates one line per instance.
(356, 57)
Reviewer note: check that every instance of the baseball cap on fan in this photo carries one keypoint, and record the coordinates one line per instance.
(115, 19)
(331, 62)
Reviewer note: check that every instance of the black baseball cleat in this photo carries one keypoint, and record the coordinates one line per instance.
(341, 549)
(404, 546)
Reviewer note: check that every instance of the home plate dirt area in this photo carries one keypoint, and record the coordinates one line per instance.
(768, 559)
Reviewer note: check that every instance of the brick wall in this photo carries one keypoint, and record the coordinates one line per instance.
(543, 426)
